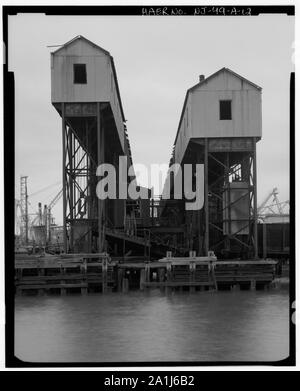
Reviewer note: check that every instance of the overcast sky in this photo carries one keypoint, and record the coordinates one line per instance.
(157, 59)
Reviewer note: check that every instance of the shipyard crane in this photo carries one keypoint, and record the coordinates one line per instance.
(24, 209)
(44, 218)
(55, 199)
(264, 206)
(18, 217)
(47, 215)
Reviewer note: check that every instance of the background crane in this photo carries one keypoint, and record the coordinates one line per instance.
(275, 208)
(25, 222)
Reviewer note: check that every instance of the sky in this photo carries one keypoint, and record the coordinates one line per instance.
(157, 59)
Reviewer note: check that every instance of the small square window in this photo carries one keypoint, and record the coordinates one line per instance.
(79, 73)
(225, 109)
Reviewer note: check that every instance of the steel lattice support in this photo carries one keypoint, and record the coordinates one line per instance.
(230, 201)
(83, 212)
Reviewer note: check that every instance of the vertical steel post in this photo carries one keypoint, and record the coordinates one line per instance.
(102, 159)
(264, 230)
(71, 185)
(228, 202)
(26, 212)
(64, 176)
(99, 157)
(152, 211)
(255, 198)
(88, 192)
(104, 274)
(206, 197)
(198, 160)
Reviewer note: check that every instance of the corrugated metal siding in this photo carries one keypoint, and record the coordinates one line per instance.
(203, 111)
(185, 132)
(113, 99)
(97, 87)
(246, 114)
(100, 86)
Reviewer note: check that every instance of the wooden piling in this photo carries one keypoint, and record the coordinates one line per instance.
(104, 275)
(192, 276)
(41, 271)
(142, 279)
(84, 291)
(19, 291)
(120, 278)
(58, 274)
(264, 235)
(211, 275)
(169, 276)
(161, 277)
(147, 272)
(125, 285)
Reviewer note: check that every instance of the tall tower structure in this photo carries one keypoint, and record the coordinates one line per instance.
(220, 124)
(85, 93)
(24, 209)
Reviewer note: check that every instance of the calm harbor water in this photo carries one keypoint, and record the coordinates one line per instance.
(205, 326)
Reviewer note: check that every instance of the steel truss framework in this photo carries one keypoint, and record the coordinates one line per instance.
(223, 168)
(229, 166)
(83, 151)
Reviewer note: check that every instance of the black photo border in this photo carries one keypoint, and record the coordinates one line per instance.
(9, 187)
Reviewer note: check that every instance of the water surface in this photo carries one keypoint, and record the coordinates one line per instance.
(205, 326)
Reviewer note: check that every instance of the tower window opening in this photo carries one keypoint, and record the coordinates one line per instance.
(79, 73)
(225, 110)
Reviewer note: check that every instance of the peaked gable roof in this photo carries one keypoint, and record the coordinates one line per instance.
(201, 83)
(81, 37)
(223, 70)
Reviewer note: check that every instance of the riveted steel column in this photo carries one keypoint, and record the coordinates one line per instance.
(64, 176)
(99, 158)
(206, 208)
(255, 199)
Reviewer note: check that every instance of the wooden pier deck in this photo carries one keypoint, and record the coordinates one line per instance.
(85, 273)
